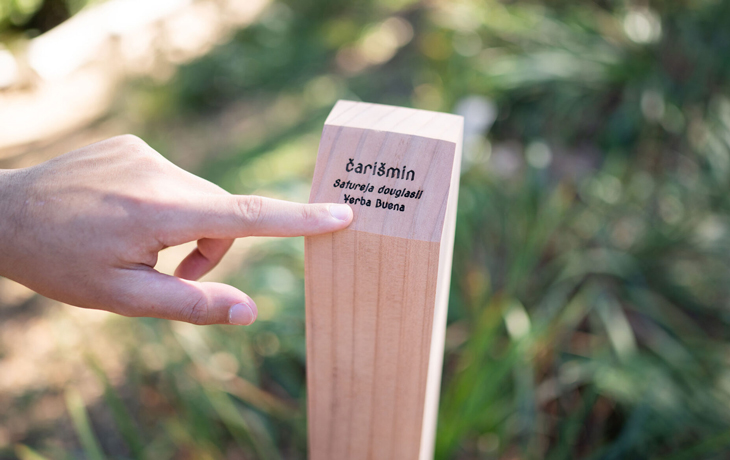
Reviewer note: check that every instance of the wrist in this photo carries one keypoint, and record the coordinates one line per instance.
(10, 204)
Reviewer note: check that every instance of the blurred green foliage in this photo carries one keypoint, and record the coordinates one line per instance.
(23, 18)
(589, 313)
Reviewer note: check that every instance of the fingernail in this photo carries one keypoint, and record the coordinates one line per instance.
(341, 212)
(241, 314)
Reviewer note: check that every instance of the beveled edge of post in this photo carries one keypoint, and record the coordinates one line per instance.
(425, 123)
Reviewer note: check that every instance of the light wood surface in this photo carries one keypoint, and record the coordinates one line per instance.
(377, 292)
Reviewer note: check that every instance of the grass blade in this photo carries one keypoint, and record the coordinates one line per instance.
(80, 420)
(122, 418)
(26, 453)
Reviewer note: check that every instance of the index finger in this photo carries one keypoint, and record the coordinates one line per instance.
(236, 216)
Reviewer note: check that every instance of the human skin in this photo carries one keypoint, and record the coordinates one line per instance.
(85, 228)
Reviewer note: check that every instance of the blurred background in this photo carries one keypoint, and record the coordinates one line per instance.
(589, 312)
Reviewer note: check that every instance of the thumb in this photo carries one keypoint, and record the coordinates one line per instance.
(150, 293)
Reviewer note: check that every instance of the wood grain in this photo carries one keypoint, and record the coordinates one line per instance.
(377, 291)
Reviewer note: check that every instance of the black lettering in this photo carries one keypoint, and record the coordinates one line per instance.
(393, 172)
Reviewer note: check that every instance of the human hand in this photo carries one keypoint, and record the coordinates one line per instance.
(85, 229)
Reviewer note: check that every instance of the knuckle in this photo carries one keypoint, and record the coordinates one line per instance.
(197, 312)
(140, 153)
(310, 213)
(150, 162)
(129, 140)
(251, 209)
(135, 146)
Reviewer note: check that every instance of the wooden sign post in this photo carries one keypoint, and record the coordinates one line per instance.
(377, 292)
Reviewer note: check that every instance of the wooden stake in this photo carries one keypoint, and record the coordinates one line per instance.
(377, 292)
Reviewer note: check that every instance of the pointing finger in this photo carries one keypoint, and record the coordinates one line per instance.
(235, 216)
